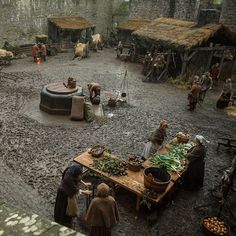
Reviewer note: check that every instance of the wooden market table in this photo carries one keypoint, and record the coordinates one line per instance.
(133, 181)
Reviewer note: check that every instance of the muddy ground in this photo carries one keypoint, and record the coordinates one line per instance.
(34, 151)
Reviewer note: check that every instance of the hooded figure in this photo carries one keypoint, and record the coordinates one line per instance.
(103, 213)
(68, 188)
(194, 176)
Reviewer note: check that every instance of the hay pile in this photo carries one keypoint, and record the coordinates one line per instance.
(231, 111)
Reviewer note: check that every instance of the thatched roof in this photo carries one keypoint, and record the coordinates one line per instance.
(178, 34)
(133, 24)
(71, 22)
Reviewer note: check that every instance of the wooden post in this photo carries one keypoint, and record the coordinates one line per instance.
(210, 57)
(184, 62)
(221, 64)
(168, 60)
(138, 202)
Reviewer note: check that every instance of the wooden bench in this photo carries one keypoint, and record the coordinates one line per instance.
(226, 142)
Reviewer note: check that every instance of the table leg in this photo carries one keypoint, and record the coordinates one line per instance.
(138, 202)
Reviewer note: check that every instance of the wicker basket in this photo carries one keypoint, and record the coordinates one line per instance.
(210, 233)
(93, 151)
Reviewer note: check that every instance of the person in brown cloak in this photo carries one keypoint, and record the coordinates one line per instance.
(103, 213)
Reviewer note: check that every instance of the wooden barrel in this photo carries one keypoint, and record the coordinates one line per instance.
(156, 178)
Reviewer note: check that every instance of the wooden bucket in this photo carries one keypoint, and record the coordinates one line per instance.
(156, 178)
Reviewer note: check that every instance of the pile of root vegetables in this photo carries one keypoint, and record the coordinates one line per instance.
(174, 160)
(111, 166)
(215, 225)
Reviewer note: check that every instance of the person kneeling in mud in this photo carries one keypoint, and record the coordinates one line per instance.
(94, 93)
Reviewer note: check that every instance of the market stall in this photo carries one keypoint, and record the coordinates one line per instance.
(131, 180)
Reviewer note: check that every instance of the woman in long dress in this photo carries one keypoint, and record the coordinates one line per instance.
(69, 188)
(194, 176)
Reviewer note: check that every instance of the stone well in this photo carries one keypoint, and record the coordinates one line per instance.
(55, 98)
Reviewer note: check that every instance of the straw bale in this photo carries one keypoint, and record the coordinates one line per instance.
(231, 111)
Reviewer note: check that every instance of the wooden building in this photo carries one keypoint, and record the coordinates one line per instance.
(125, 29)
(69, 29)
(189, 48)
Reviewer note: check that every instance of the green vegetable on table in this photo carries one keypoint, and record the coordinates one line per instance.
(174, 160)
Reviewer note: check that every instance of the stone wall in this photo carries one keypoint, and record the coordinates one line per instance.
(149, 8)
(20, 20)
(228, 14)
(186, 9)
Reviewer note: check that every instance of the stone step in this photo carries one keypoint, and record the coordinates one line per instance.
(18, 222)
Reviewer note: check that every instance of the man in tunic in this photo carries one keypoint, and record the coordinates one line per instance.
(35, 51)
(147, 63)
(206, 84)
(194, 176)
(215, 72)
(193, 96)
(119, 49)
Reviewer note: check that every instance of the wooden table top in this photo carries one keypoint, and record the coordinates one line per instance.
(133, 181)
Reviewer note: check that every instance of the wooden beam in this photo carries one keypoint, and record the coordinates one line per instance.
(210, 58)
(184, 62)
(191, 55)
(168, 59)
(221, 64)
